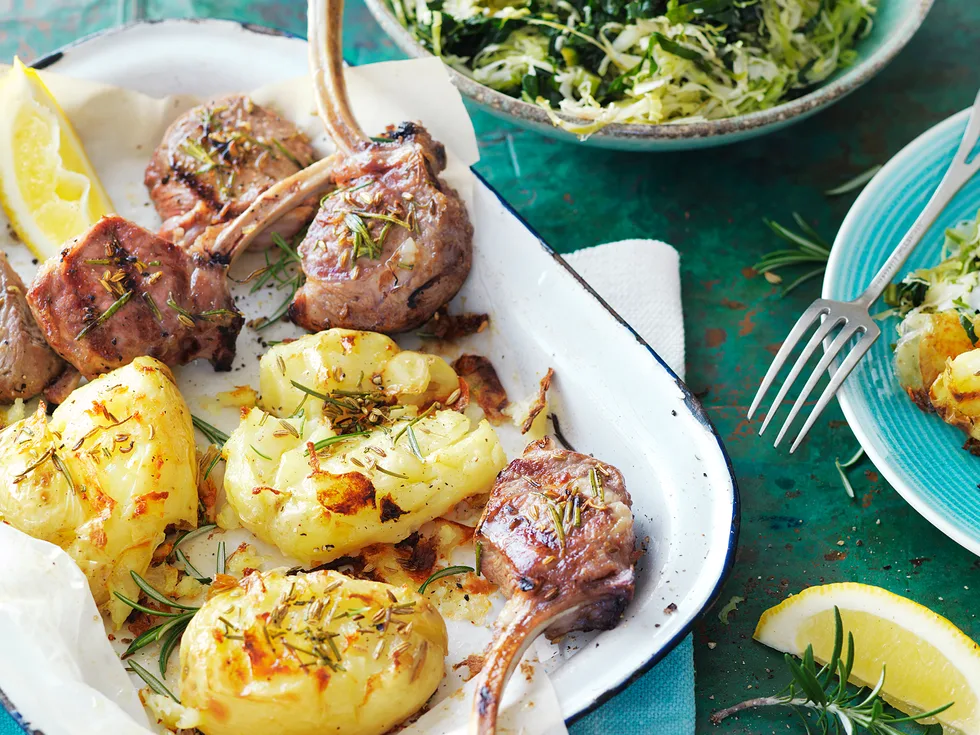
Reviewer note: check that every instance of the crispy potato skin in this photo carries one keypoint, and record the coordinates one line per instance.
(127, 443)
(927, 342)
(344, 359)
(321, 506)
(247, 663)
(956, 393)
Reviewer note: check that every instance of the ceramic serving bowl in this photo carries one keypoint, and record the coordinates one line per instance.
(895, 23)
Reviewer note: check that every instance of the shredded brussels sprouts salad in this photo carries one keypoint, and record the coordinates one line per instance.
(642, 61)
(953, 284)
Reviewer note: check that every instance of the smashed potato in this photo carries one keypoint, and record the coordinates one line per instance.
(320, 505)
(956, 393)
(105, 477)
(927, 341)
(310, 653)
(348, 360)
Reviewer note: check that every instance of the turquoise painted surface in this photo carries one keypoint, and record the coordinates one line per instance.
(798, 528)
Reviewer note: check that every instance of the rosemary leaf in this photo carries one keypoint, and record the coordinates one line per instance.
(856, 183)
(151, 681)
(211, 433)
(447, 572)
(105, 315)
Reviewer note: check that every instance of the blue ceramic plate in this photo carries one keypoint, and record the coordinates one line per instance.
(916, 452)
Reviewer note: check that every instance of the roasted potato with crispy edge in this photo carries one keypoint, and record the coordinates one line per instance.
(104, 479)
(310, 653)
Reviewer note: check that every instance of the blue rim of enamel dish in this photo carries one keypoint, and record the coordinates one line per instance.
(690, 400)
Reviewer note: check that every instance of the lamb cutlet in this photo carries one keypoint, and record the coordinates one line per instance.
(27, 364)
(392, 242)
(216, 160)
(118, 292)
(557, 538)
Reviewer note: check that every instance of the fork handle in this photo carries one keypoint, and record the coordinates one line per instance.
(959, 172)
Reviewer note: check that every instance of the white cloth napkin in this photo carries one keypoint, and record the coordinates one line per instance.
(640, 280)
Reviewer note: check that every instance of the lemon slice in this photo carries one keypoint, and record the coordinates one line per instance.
(48, 187)
(930, 662)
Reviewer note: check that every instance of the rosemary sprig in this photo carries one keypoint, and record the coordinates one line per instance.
(809, 248)
(842, 466)
(287, 274)
(836, 707)
(211, 433)
(447, 572)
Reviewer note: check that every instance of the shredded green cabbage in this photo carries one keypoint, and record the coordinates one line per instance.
(642, 61)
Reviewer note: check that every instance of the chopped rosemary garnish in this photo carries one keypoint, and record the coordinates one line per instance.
(477, 564)
(364, 244)
(98, 261)
(412, 423)
(383, 471)
(447, 572)
(384, 217)
(557, 521)
(211, 433)
(184, 316)
(148, 300)
(105, 315)
(285, 151)
(324, 443)
(413, 443)
(151, 681)
(309, 391)
(263, 456)
(196, 151)
(220, 563)
(60, 466)
(836, 707)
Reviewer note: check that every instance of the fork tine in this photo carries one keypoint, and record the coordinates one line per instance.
(814, 312)
(850, 362)
(842, 338)
(829, 324)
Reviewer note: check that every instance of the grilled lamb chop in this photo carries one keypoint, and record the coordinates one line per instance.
(557, 538)
(27, 364)
(118, 292)
(393, 242)
(216, 160)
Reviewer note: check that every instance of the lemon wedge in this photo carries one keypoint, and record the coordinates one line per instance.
(929, 661)
(48, 187)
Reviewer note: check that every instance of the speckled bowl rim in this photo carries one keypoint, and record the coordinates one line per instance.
(503, 104)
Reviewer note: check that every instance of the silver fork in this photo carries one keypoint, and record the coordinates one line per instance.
(853, 318)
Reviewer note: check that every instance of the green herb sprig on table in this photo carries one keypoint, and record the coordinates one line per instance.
(810, 249)
(835, 706)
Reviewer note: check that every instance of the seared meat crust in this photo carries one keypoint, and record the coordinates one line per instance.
(216, 159)
(118, 292)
